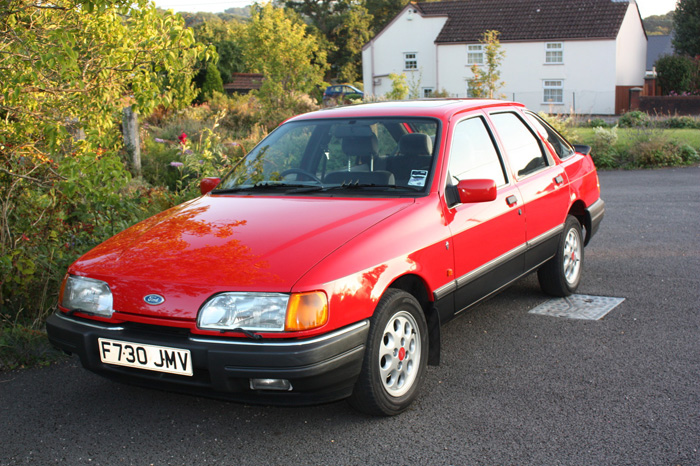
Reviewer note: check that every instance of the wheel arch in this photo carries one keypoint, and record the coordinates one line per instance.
(416, 286)
(578, 210)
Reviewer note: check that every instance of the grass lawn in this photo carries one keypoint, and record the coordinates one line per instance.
(626, 136)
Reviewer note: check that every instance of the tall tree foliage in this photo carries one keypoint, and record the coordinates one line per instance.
(486, 81)
(225, 35)
(686, 22)
(277, 45)
(67, 68)
(383, 11)
(346, 27)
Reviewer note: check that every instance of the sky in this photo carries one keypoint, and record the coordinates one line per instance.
(646, 7)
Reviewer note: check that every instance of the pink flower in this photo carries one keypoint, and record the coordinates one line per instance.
(182, 138)
(177, 164)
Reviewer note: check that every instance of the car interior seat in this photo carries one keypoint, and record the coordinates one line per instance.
(415, 153)
(363, 149)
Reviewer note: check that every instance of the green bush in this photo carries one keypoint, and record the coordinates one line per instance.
(676, 74)
(682, 122)
(634, 119)
(603, 147)
(596, 123)
(651, 149)
(688, 153)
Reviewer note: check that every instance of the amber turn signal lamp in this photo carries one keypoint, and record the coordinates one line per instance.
(306, 311)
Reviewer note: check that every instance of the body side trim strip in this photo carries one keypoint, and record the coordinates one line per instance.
(469, 277)
(500, 288)
(486, 268)
(545, 236)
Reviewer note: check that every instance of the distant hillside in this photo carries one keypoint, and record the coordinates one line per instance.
(659, 25)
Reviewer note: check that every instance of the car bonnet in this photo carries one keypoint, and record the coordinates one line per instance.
(225, 243)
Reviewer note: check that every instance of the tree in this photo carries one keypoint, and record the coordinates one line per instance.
(67, 69)
(225, 36)
(346, 27)
(686, 22)
(211, 82)
(383, 11)
(485, 82)
(277, 45)
(399, 87)
(678, 74)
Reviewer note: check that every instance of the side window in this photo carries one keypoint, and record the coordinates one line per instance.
(473, 154)
(522, 147)
(560, 145)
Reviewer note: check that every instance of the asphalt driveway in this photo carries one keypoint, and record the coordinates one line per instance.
(513, 388)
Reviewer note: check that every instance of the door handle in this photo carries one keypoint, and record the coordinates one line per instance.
(511, 200)
(559, 179)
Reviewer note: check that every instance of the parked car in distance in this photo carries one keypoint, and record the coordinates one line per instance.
(322, 266)
(342, 92)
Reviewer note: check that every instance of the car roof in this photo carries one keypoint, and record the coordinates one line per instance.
(437, 108)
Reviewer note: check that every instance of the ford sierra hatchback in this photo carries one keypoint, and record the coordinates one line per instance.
(323, 265)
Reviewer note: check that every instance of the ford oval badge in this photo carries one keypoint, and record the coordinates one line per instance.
(154, 299)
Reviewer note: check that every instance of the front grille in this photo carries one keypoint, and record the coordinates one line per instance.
(157, 330)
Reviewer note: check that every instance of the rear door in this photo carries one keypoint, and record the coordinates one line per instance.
(542, 183)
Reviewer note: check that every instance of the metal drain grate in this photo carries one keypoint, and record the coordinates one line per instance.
(578, 306)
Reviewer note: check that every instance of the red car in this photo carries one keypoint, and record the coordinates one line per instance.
(323, 265)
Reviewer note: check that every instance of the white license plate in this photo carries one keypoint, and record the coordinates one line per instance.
(149, 357)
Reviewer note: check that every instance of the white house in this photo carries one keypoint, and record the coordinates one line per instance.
(562, 56)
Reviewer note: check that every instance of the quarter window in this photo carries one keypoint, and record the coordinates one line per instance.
(559, 144)
(521, 145)
(553, 92)
(410, 61)
(554, 53)
(473, 154)
(475, 54)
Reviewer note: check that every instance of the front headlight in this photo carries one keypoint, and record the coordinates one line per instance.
(87, 295)
(264, 312)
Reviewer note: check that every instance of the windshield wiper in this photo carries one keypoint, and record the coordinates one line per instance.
(260, 186)
(351, 186)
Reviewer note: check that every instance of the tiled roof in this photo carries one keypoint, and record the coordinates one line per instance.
(244, 82)
(525, 20)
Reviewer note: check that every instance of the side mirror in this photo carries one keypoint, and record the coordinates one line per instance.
(476, 191)
(208, 184)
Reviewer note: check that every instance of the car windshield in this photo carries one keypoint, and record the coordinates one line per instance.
(371, 157)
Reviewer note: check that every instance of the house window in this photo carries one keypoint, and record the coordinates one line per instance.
(554, 53)
(428, 92)
(553, 91)
(475, 54)
(410, 61)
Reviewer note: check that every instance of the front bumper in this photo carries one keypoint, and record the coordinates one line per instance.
(320, 369)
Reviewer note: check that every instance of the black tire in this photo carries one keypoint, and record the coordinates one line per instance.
(395, 357)
(561, 275)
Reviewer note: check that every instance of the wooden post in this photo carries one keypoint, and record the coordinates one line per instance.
(132, 143)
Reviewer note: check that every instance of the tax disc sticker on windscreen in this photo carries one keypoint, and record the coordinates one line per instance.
(418, 178)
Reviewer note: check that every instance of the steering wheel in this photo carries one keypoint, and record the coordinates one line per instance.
(301, 171)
